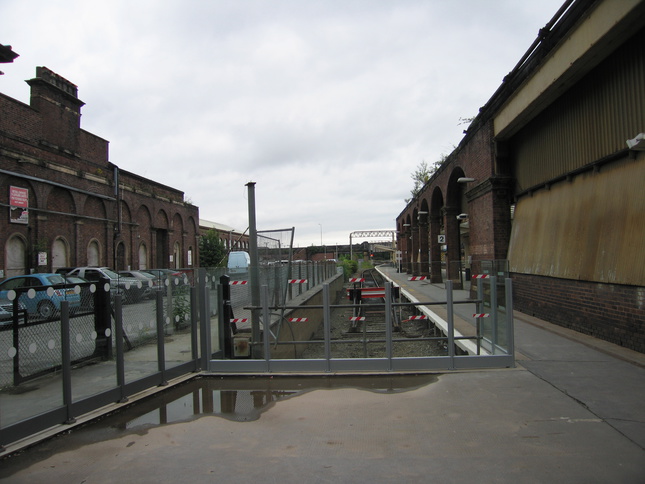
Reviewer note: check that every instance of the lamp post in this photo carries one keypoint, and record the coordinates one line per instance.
(321, 243)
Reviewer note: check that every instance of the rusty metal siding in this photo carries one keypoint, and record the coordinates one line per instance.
(590, 228)
(591, 121)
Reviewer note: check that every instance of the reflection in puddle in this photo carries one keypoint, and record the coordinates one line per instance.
(244, 399)
(234, 398)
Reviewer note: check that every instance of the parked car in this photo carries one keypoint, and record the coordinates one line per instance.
(131, 289)
(163, 274)
(64, 270)
(87, 297)
(149, 282)
(45, 303)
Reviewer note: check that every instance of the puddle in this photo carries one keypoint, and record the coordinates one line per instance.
(245, 399)
(240, 399)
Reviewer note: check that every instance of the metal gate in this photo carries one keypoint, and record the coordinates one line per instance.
(383, 329)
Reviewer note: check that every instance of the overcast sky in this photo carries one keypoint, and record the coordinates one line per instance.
(328, 105)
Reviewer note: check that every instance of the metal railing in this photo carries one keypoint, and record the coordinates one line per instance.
(381, 347)
(95, 349)
(73, 348)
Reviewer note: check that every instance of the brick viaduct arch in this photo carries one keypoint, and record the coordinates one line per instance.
(470, 215)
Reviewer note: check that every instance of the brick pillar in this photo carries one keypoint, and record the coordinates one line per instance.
(408, 250)
(400, 244)
(414, 252)
(424, 269)
(435, 249)
(453, 254)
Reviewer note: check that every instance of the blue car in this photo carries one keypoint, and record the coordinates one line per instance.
(46, 298)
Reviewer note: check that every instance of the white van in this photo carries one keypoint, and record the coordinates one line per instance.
(238, 262)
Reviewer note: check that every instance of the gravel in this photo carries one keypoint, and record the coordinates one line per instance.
(373, 328)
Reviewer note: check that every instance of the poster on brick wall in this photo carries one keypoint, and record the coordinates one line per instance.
(18, 205)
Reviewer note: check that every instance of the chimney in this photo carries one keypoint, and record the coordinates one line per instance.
(56, 99)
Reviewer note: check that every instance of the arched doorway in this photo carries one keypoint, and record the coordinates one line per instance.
(143, 256)
(93, 254)
(16, 256)
(177, 255)
(60, 253)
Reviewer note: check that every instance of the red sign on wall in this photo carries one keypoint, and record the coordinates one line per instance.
(18, 205)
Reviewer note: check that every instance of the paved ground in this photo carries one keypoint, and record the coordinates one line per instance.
(572, 411)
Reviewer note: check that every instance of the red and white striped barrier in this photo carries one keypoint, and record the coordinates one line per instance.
(367, 292)
(239, 320)
(413, 318)
(481, 315)
(357, 279)
(298, 320)
(481, 276)
(417, 278)
(239, 283)
(297, 281)
(357, 318)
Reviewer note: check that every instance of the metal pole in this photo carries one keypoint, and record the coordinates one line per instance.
(205, 322)
(161, 354)
(266, 315)
(225, 315)
(194, 310)
(327, 325)
(388, 324)
(480, 309)
(493, 304)
(16, 339)
(67, 361)
(254, 271)
(510, 330)
(118, 334)
(451, 325)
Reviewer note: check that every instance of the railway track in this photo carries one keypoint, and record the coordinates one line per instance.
(365, 338)
(369, 315)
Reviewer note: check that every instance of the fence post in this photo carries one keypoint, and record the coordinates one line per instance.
(205, 321)
(17, 378)
(266, 316)
(224, 317)
(327, 325)
(480, 309)
(510, 330)
(102, 319)
(451, 324)
(194, 310)
(388, 324)
(494, 311)
(118, 334)
(66, 355)
(161, 352)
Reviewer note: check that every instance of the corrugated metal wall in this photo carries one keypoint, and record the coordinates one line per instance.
(591, 121)
(591, 228)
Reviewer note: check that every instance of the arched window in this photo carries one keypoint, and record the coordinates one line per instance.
(60, 254)
(93, 254)
(16, 256)
(143, 256)
(177, 255)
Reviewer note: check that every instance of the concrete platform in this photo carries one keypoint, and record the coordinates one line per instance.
(572, 411)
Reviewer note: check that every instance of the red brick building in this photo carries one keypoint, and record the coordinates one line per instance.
(546, 185)
(66, 204)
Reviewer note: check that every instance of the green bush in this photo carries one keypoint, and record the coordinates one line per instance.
(349, 267)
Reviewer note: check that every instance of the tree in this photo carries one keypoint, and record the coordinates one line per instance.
(423, 174)
(212, 252)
